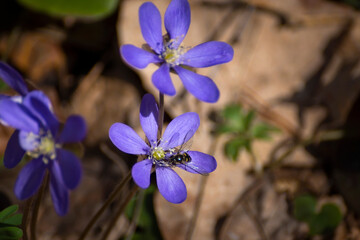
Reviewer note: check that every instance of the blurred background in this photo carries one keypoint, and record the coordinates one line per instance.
(285, 131)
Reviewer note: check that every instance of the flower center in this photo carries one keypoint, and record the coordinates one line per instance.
(158, 153)
(45, 146)
(172, 54)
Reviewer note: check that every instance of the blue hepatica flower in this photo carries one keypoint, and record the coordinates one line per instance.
(168, 52)
(37, 135)
(162, 154)
(14, 80)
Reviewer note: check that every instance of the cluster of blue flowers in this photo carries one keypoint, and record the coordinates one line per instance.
(41, 137)
(38, 136)
(166, 152)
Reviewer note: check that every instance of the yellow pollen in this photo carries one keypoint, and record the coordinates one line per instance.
(46, 147)
(171, 55)
(158, 153)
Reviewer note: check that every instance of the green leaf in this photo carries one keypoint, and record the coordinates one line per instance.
(326, 220)
(232, 112)
(332, 213)
(323, 222)
(304, 208)
(225, 128)
(249, 118)
(234, 120)
(77, 8)
(234, 146)
(10, 233)
(8, 211)
(13, 220)
(8, 216)
(262, 131)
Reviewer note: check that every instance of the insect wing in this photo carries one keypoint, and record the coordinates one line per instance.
(193, 169)
(187, 141)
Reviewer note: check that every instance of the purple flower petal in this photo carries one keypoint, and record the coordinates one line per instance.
(70, 168)
(162, 81)
(170, 185)
(13, 152)
(12, 78)
(28, 140)
(38, 103)
(137, 57)
(2, 96)
(200, 163)
(177, 20)
(149, 113)
(127, 140)
(203, 88)
(30, 178)
(59, 193)
(18, 116)
(208, 54)
(150, 23)
(74, 130)
(180, 130)
(141, 173)
(38, 95)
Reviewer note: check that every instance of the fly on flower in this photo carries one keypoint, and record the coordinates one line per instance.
(170, 54)
(183, 160)
(37, 135)
(162, 154)
(180, 158)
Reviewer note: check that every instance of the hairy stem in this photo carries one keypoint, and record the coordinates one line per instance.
(161, 113)
(36, 208)
(25, 218)
(111, 198)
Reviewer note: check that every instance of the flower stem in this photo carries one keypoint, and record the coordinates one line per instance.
(35, 212)
(111, 198)
(26, 211)
(119, 212)
(161, 113)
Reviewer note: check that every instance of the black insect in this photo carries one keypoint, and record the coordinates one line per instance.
(183, 160)
(180, 158)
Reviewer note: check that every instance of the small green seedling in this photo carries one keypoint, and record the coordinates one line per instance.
(243, 128)
(322, 222)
